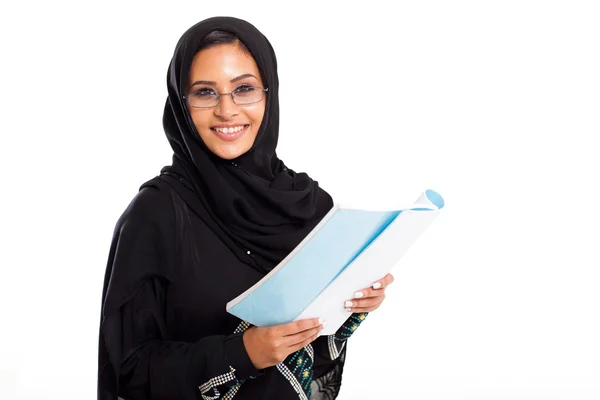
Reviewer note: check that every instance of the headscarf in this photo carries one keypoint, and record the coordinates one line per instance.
(260, 208)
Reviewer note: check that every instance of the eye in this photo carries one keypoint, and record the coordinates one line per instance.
(244, 89)
(203, 92)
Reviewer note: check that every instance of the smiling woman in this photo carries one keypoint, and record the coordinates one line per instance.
(206, 229)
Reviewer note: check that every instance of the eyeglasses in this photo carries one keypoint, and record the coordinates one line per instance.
(242, 96)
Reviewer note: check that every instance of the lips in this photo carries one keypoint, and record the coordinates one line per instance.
(229, 133)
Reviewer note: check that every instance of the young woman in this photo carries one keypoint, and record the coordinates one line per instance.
(206, 229)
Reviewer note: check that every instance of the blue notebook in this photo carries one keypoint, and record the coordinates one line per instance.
(340, 240)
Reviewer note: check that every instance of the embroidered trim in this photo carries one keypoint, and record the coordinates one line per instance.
(229, 395)
(311, 352)
(333, 350)
(217, 381)
(215, 397)
(345, 331)
(242, 327)
(292, 380)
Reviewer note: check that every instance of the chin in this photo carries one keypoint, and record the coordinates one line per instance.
(229, 150)
(230, 153)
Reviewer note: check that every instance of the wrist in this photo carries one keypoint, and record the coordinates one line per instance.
(247, 341)
(239, 358)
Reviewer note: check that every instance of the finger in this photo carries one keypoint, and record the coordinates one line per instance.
(301, 337)
(389, 279)
(383, 283)
(295, 327)
(304, 343)
(364, 309)
(361, 303)
(369, 292)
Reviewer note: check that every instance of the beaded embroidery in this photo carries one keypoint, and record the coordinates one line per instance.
(214, 382)
(297, 369)
(337, 341)
(292, 380)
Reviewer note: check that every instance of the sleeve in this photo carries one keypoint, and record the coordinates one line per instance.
(329, 348)
(137, 359)
(155, 368)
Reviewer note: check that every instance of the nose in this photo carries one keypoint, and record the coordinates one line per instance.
(226, 108)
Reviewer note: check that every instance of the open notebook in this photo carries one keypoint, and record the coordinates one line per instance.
(348, 250)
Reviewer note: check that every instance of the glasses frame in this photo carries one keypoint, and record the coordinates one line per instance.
(263, 90)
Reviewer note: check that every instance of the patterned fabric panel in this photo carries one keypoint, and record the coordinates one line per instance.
(337, 341)
(298, 370)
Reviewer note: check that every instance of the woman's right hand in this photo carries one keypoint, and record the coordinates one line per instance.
(270, 345)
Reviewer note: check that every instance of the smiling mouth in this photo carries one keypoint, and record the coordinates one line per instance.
(229, 133)
(230, 130)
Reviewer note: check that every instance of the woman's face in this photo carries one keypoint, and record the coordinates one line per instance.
(228, 130)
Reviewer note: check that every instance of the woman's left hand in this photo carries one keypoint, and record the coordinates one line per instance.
(367, 300)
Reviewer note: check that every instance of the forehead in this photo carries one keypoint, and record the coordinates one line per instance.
(224, 61)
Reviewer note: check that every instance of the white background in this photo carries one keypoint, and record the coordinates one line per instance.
(496, 105)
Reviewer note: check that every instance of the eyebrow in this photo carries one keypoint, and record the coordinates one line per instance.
(239, 78)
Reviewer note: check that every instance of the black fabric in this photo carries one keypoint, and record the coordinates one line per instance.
(254, 203)
(164, 327)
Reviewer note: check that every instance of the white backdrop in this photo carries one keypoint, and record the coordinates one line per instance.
(493, 104)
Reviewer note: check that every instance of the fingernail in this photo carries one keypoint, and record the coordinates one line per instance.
(376, 285)
(324, 324)
(349, 309)
(321, 321)
(348, 304)
(358, 294)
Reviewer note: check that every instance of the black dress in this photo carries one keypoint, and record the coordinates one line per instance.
(165, 333)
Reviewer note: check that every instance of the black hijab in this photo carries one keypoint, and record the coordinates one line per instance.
(260, 208)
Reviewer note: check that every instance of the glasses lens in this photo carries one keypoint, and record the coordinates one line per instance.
(247, 95)
(204, 98)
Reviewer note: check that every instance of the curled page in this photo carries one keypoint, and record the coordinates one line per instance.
(348, 250)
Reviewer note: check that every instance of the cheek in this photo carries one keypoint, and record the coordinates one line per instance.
(201, 122)
(256, 117)
(199, 118)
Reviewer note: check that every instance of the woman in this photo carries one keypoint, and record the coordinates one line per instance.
(210, 226)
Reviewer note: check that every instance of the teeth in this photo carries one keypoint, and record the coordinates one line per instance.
(230, 130)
